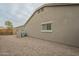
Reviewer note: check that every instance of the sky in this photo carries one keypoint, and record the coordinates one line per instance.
(18, 13)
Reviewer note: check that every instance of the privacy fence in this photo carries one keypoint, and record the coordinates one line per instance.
(6, 31)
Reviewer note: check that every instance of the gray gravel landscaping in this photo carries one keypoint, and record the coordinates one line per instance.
(12, 46)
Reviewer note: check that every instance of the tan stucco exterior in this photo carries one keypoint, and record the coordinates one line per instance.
(65, 24)
(19, 30)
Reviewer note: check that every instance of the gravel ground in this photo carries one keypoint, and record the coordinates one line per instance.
(12, 46)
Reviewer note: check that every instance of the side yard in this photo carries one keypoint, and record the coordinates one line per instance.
(11, 45)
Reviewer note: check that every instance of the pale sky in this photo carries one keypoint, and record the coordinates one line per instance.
(17, 13)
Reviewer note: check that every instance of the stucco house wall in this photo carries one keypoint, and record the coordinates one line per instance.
(19, 30)
(65, 24)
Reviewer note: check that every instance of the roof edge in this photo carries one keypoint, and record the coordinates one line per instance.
(50, 5)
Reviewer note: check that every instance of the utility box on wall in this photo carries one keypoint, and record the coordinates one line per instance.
(23, 34)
